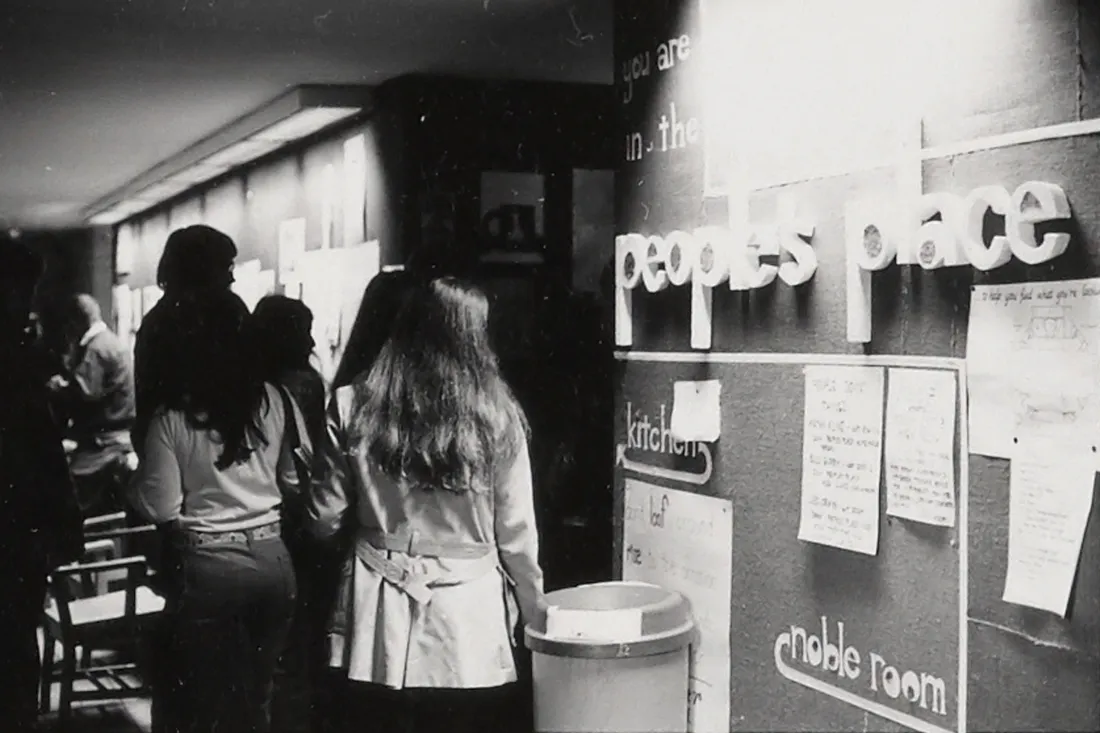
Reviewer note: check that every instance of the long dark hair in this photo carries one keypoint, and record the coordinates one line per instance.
(280, 332)
(434, 409)
(194, 258)
(381, 303)
(215, 381)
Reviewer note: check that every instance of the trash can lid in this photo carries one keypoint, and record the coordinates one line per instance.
(611, 620)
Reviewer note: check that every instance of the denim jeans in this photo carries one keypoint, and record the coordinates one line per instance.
(230, 608)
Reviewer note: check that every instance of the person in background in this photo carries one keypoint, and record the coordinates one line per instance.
(427, 451)
(280, 331)
(216, 468)
(46, 355)
(381, 302)
(97, 393)
(40, 522)
(197, 263)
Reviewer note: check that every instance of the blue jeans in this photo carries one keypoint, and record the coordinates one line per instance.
(230, 608)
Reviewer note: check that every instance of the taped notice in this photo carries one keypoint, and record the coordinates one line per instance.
(1050, 500)
(696, 411)
(619, 625)
(920, 443)
(841, 457)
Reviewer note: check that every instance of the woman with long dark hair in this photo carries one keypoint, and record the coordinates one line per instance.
(427, 453)
(214, 471)
(281, 334)
(281, 331)
(197, 261)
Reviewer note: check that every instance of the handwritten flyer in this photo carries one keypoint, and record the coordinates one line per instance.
(1050, 499)
(684, 542)
(1032, 355)
(920, 441)
(841, 457)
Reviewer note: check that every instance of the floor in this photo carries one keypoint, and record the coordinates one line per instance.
(134, 715)
(129, 716)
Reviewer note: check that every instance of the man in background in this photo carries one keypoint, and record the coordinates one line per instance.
(40, 522)
(97, 394)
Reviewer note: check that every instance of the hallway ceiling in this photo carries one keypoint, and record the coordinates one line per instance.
(94, 92)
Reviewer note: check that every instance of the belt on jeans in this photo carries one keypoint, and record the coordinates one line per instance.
(414, 544)
(237, 536)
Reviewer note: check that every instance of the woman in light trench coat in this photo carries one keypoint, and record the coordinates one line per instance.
(426, 457)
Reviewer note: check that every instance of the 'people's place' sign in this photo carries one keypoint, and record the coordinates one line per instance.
(944, 230)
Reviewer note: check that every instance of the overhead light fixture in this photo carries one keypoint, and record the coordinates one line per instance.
(239, 153)
(297, 114)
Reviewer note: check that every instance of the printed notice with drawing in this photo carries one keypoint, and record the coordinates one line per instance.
(1032, 356)
(1050, 499)
(841, 457)
(920, 443)
(684, 542)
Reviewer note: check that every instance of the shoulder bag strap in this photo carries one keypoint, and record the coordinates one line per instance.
(294, 432)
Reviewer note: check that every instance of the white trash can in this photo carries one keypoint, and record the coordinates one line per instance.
(611, 658)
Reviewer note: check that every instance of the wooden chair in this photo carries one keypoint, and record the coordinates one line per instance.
(92, 618)
(105, 547)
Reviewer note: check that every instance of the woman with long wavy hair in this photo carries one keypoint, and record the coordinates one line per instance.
(214, 471)
(427, 456)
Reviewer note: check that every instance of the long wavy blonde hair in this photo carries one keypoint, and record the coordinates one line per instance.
(434, 409)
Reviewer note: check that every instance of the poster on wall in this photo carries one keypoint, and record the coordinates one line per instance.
(265, 284)
(331, 282)
(292, 245)
(355, 190)
(136, 311)
(125, 249)
(328, 205)
(361, 264)
(684, 542)
(1050, 500)
(920, 441)
(841, 457)
(321, 274)
(185, 216)
(820, 124)
(246, 282)
(292, 288)
(122, 304)
(512, 217)
(1032, 356)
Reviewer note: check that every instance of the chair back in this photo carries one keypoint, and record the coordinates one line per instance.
(61, 588)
